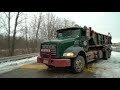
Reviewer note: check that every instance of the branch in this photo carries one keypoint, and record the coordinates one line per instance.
(3, 23)
(6, 14)
(19, 22)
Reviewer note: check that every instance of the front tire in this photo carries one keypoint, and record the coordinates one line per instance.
(78, 64)
(50, 67)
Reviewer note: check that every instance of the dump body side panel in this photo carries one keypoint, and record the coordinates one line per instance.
(97, 39)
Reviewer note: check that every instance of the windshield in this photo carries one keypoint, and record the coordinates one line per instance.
(68, 33)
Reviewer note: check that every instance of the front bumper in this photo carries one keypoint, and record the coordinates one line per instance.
(54, 62)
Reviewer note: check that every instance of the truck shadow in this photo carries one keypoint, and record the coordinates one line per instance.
(65, 73)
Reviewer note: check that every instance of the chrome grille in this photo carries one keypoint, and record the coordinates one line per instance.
(52, 49)
(53, 52)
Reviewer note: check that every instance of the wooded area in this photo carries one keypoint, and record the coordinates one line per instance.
(22, 32)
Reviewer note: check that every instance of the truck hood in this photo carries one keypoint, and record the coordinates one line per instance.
(62, 44)
(57, 41)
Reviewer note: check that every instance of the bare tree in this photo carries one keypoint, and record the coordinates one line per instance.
(9, 43)
(65, 23)
(14, 34)
(68, 23)
(38, 27)
(3, 24)
(35, 29)
(26, 35)
(9, 19)
(50, 24)
(39, 23)
(6, 26)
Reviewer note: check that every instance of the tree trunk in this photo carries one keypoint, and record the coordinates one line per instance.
(27, 46)
(26, 36)
(38, 27)
(9, 43)
(14, 34)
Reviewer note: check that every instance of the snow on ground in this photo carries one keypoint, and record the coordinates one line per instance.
(108, 68)
(8, 66)
(113, 46)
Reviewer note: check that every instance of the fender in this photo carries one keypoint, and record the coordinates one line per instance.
(75, 49)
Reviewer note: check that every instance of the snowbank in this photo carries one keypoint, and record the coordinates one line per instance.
(108, 68)
(8, 66)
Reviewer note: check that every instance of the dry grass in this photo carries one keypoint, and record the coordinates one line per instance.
(4, 53)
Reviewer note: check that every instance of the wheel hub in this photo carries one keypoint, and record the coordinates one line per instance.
(79, 65)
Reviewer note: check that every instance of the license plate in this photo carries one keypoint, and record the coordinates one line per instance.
(45, 61)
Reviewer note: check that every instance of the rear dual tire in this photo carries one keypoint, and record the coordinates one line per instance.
(106, 54)
(109, 54)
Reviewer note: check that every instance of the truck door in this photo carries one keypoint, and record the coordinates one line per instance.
(84, 38)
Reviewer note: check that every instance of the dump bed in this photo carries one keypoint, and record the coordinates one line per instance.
(98, 39)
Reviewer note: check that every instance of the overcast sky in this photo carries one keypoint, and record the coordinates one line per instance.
(102, 22)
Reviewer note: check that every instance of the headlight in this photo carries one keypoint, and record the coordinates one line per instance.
(69, 54)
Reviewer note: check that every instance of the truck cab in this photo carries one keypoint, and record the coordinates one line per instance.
(71, 48)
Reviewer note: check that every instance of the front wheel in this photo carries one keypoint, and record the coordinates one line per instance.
(78, 64)
(50, 67)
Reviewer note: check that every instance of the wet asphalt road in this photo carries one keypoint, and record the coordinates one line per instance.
(45, 73)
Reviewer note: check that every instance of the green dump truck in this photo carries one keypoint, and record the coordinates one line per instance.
(74, 47)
